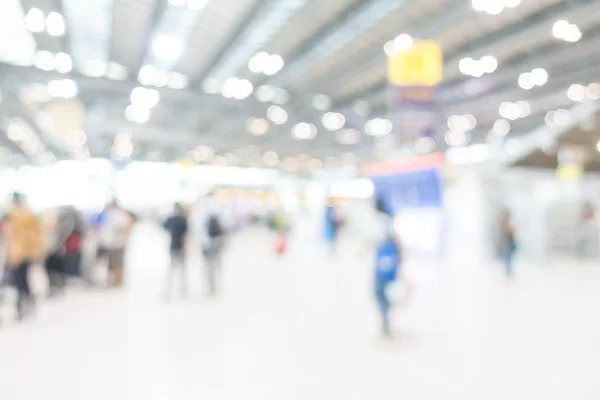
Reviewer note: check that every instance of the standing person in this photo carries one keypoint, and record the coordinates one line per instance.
(177, 226)
(24, 239)
(114, 235)
(388, 259)
(510, 243)
(210, 232)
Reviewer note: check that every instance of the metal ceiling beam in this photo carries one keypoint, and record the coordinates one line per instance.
(426, 28)
(519, 32)
(365, 16)
(264, 24)
(157, 15)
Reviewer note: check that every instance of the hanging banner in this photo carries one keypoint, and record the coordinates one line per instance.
(413, 76)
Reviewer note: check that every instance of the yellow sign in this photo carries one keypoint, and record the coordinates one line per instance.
(569, 172)
(422, 65)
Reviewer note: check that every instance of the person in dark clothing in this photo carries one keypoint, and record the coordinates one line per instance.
(177, 227)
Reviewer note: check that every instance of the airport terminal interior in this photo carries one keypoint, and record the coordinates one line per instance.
(299, 199)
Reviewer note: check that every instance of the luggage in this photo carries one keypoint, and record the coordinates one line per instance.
(281, 244)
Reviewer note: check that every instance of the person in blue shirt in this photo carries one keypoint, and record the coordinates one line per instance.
(387, 262)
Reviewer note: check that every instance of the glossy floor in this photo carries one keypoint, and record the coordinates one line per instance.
(304, 327)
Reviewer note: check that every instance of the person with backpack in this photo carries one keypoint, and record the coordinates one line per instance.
(177, 226)
(388, 258)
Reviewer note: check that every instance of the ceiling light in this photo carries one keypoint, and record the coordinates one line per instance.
(390, 48)
(549, 118)
(562, 117)
(274, 64)
(116, 71)
(35, 20)
(466, 65)
(465, 122)
(257, 126)
(144, 97)
(44, 60)
(304, 131)
(55, 24)
(514, 111)
(197, 5)
(457, 138)
(15, 132)
(177, 80)
(270, 159)
(277, 115)
(138, 114)
(598, 146)
(489, 64)
(63, 63)
(566, 31)
(403, 42)
(593, 91)
(161, 79)
(333, 121)
(95, 68)
(424, 145)
(524, 108)
(501, 127)
(257, 62)
(237, 88)
(321, 102)
(577, 92)
(167, 47)
(539, 76)
(348, 136)
(66, 88)
(378, 127)
(147, 74)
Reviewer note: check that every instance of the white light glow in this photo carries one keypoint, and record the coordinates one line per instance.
(144, 98)
(147, 74)
(539, 76)
(277, 115)
(348, 136)
(304, 131)
(378, 127)
(257, 126)
(66, 89)
(44, 60)
(55, 24)
(333, 121)
(95, 68)
(35, 20)
(167, 48)
(177, 80)
(577, 92)
(197, 5)
(63, 63)
(141, 115)
(501, 127)
(116, 71)
(270, 159)
(321, 102)
(403, 42)
(424, 145)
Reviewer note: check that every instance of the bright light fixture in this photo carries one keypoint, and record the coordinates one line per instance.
(95, 68)
(63, 63)
(598, 146)
(116, 71)
(477, 68)
(44, 60)
(378, 127)
(268, 64)
(203, 153)
(144, 97)
(274, 65)
(424, 145)
(167, 47)
(147, 74)
(35, 20)
(566, 31)
(66, 89)
(277, 115)
(321, 102)
(270, 159)
(177, 80)
(55, 24)
(593, 91)
(403, 42)
(211, 86)
(501, 127)
(539, 76)
(577, 92)
(137, 114)
(457, 138)
(237, 88)
(304, 131)
(265, 93)
(257, 126)
(333, 121)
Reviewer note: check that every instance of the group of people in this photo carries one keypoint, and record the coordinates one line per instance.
(55, 241)
(201, 227)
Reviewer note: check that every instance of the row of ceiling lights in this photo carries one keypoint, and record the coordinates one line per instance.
(582, 93)
(21, 134)
(37, 22)
(494, 7)
(265, 63)
(477, 68)
(142, 101)
(270, 159)
(536, 77)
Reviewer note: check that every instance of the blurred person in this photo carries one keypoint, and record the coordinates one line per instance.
(25, 245)
(114, 236)
(587, 229)
(334, 222)
(177, 226)
(510, 243)
(388, 249)
(210, 232)
(281, 227)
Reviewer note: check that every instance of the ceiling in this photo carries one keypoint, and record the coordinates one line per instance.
(334, 60)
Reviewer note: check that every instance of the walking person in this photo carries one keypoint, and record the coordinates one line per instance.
(510, 243)
(24, 240)
(388, 259)
(114, 236)
(177, 227)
